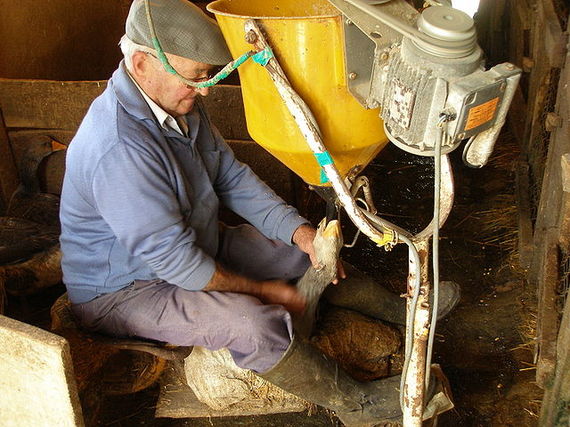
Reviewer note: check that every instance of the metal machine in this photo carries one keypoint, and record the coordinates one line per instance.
(419, 73)
(341, 78)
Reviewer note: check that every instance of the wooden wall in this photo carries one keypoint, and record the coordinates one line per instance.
(59, 39)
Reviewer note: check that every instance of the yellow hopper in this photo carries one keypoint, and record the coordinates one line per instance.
(307, 40)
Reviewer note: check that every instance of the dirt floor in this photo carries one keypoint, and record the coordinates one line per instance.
(484, 346)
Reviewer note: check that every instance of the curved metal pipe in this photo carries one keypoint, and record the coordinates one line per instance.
(310, 130)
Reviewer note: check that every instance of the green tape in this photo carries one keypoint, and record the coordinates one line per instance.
(224, 72)
(324, 158)
(162, 57)
(263, 56)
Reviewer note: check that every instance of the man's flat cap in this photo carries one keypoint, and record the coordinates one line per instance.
(181, 28)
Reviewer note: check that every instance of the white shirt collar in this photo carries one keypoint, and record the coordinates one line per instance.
(166, 120)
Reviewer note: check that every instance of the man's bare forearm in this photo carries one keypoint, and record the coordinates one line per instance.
(268, 291)
(226, 281)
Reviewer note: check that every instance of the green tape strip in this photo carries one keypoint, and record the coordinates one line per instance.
(162, 57)
(263, 56)
(224, 72)
(324, 158)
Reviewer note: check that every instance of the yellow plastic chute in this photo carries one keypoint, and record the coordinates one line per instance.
(307, 40)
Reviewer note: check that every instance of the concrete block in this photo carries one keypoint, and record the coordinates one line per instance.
(37, 384)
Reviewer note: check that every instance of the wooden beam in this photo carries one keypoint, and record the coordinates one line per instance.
(8, 172)
(564, 218)
(267, 167)
(553, 209)
(522, 192)
(49, 104)
(554, 410)
(547, 320)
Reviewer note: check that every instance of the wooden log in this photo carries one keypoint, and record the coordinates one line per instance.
(102, 358)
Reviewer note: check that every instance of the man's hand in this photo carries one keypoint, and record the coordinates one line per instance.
(303, 237)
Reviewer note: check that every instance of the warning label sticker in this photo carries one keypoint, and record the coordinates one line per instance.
(402, 104)
(481, 114)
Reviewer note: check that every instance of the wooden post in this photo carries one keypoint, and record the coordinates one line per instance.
(8, 173)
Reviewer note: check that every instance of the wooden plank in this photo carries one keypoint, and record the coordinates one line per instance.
(547, 317)
(545, 268)
(61, 40)
(564, 224)
(555, 38)
(554, 410)
(267, 167)
(225, 106)
(36, 378)
(520, 24)
(517, 115)
(522, 191)
(8, 172)
(48, 104)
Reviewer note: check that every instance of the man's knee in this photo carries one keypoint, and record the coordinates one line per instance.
(268, 332)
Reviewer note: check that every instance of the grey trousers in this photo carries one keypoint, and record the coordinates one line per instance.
(257, 335)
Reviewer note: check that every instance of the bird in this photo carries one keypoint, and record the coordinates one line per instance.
(327, 243)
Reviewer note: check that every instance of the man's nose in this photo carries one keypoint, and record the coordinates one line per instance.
(204, 91)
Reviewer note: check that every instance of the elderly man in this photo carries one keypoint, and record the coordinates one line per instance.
(143, 252)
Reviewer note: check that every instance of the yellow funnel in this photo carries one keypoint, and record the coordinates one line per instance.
(307, 40)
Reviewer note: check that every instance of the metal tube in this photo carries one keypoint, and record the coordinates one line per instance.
(435, 248)
(414, 379)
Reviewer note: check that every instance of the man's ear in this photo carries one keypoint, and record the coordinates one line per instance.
(140, 63)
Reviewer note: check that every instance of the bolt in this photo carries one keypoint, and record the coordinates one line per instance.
(552, 122)
(352, 76)
(348, 21)
(250, 37)
(384, 56)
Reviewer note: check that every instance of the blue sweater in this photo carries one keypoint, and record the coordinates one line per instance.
(141, 202)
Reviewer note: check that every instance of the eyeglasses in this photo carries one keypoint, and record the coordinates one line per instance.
(211, 73)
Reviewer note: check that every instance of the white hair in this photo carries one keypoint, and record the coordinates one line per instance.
(129, 48)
